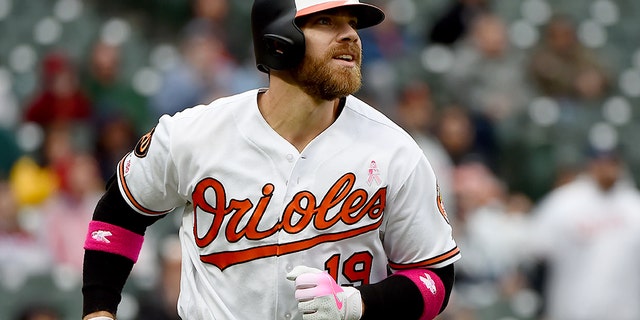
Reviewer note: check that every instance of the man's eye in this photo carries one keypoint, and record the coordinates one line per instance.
(354, 24)
(324, 21)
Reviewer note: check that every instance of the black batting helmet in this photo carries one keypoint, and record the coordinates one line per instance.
(279, 43)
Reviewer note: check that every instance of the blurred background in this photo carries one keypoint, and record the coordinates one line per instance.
(527, 109)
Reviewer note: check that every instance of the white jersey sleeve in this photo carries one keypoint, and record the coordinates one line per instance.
(147, 176)
(417, 231)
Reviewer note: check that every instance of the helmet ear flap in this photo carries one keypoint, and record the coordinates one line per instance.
(277, 46)
(280, 52)
(278, 42)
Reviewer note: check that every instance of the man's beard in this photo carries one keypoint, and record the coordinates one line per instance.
(318, 79)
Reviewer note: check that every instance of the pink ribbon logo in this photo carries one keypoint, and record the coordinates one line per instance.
(374, 173)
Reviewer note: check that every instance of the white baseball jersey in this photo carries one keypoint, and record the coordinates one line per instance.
(592, 241)
(359, 197)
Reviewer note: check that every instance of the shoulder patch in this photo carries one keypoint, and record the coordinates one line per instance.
(142, 147)
(440, 203)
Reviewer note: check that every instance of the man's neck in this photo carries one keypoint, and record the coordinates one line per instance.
(295, 115)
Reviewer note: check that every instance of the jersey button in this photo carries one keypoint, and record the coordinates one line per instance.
(290, 157)
(287, 315)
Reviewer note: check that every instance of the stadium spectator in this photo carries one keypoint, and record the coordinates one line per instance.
(204, 72)
(454, 22)
(465, 136)
(561, 67)
(60, 98)
(487, 74)
(57, 152)
(385, 49)
(487, 206)
(588, 234)
(66, 214)
(115, 137)
(214, 11)
(492, 223)
(225, 15)
(22, 253)
(111, 95)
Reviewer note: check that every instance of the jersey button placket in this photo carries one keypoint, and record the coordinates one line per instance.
(291, 182)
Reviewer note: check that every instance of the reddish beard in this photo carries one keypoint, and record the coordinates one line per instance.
(324, 81)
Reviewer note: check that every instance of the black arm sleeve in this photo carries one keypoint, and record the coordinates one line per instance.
(399, 298)
(104, 274)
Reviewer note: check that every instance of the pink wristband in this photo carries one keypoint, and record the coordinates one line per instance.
(430, 286)
(110, 238)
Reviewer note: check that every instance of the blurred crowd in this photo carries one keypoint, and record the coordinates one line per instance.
(524, 110)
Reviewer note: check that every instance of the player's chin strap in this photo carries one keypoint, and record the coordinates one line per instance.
(321, 298)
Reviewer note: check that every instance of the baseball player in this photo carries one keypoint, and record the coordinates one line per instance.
(298, 201)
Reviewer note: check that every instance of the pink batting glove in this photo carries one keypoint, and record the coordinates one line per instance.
(321, 298)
